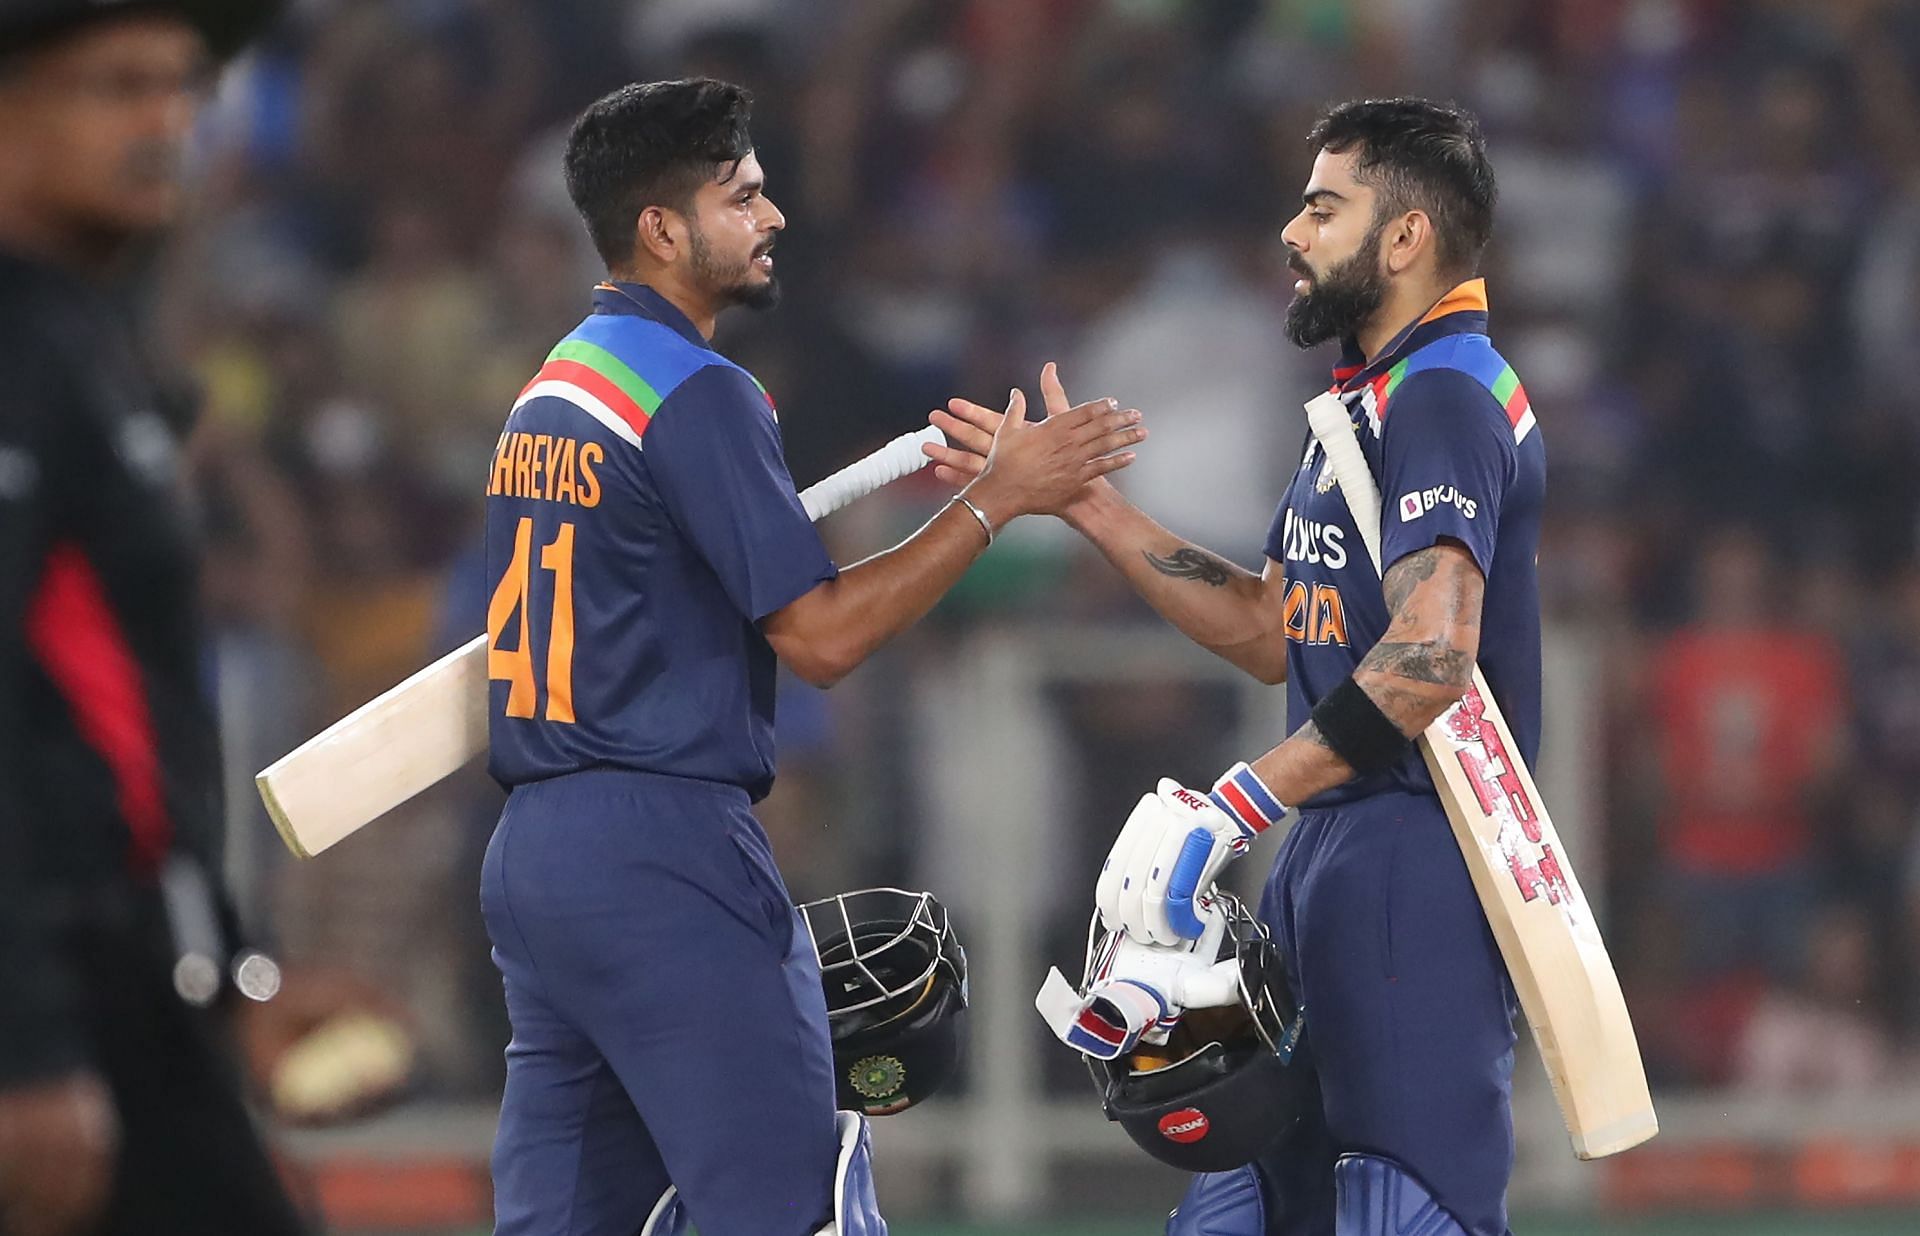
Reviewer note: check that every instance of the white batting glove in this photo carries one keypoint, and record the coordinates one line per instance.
(1137, 991)
(1172, 849)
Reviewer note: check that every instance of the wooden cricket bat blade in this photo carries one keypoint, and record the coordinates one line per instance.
(384, 752)
(1543, 925)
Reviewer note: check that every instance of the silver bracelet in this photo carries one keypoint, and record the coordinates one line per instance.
(978, 514)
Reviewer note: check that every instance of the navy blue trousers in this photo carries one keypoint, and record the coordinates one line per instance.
(1409, 1013)
(669, 1025)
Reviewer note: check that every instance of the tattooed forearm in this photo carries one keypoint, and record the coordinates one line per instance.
(1422, 665)
(1192, 563)
(1412, 684)
(1438, 664)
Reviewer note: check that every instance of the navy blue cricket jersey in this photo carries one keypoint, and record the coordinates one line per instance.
(640, 522)
(1451, 440)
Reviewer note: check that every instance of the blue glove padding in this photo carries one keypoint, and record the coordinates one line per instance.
(1196, 853)
(1170, 851)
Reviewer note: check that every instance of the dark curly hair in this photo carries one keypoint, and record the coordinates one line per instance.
(652, 144)
(1420, 155)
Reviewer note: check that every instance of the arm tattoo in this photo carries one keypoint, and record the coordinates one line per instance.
(1189, 563)
(1404, 578)
(1435, 663)
(1406, 575)
(1413, 679)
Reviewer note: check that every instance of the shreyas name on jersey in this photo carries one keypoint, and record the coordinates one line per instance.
(546, 466)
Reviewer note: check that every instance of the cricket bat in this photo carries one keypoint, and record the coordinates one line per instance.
(416, 734)
(1523, 875)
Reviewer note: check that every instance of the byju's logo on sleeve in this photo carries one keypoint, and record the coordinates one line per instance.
(1418, 502)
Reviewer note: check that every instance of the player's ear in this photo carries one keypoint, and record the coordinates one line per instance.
(659, 233)
(1406, 239)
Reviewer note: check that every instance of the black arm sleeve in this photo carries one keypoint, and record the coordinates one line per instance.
(39, 1036)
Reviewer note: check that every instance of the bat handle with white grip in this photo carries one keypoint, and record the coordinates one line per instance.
(1327, 417)
(896, 459)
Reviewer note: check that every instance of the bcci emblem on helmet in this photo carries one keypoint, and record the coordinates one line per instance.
(896, 986)
(881, 1080)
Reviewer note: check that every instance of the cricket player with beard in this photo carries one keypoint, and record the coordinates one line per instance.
(670, 1059)
(1408, 1008)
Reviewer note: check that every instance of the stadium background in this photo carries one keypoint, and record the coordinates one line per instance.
(1707, 267)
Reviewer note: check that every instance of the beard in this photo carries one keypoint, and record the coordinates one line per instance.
(734, 283)
(1340, 302)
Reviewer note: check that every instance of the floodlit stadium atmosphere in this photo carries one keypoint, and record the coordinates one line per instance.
(1385, 693)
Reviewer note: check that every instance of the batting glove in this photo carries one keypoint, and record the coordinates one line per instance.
(1172, 849)
(1138, 991)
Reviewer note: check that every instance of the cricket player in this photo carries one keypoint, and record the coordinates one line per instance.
(1408, 1005)
(649, 562)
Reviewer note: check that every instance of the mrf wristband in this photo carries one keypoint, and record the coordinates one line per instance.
(1357, 731)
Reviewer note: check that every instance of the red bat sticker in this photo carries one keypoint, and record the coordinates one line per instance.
(1496, 784)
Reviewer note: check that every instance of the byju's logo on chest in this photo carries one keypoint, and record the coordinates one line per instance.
(1307, 540)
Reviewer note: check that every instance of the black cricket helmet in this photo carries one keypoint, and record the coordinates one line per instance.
(1224, 1085)
(896, 985)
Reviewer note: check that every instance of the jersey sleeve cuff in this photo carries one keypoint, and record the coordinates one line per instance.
(1392, 551)
(794, 586)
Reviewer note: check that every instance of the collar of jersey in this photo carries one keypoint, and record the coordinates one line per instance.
(1462, 311)
(642, 301)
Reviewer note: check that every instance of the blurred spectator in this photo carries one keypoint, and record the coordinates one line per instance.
(1211, 475)
(254, 578)
(1744, 709)
(1885, 311)
(1688, 1028)
(412, 328)
(1886, 685)
(1821, 1035)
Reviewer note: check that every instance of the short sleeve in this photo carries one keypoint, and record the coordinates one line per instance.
(713, 451)
(1448, 459)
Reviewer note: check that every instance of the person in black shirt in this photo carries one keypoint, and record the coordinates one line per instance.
(120, 1102)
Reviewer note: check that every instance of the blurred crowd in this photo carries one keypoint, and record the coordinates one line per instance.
(1706, 267)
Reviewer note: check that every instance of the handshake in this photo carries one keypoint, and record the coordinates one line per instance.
(1161, 953)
